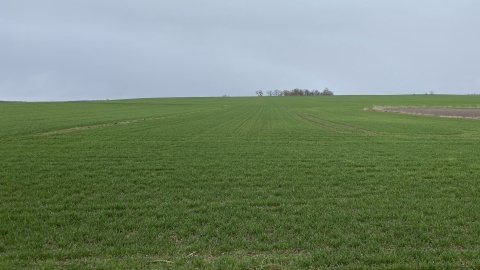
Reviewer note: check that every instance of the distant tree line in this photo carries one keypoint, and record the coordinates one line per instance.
(295, 92)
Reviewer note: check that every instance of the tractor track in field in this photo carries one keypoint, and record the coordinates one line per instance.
(125, 122)
(80, 128)
(352, 127)
(331, 125)
(325, 126)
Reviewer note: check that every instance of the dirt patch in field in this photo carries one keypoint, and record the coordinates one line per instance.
(435, 111)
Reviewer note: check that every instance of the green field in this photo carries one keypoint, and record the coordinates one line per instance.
(242, 183)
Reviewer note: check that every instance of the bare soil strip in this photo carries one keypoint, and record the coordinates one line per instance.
(473, 113)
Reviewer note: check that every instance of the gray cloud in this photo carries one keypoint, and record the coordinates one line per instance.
(66, 50)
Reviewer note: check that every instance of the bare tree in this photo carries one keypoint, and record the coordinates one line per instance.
(327, 92)
(295, 92)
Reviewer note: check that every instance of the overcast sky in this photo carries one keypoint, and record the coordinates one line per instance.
(112, 49)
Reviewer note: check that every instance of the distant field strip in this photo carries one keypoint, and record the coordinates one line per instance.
(473, 113)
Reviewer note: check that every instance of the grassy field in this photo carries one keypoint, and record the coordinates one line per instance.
(239, 183)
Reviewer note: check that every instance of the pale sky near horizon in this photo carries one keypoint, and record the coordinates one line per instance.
(113, 49)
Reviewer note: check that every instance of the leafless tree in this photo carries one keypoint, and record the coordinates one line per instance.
(295, 92)
(327, 92)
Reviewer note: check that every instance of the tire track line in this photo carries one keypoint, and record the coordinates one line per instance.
(353, 127)
(323, 125)
(334, 126)
(125, 122)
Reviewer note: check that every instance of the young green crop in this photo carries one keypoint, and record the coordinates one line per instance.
(270, 182)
